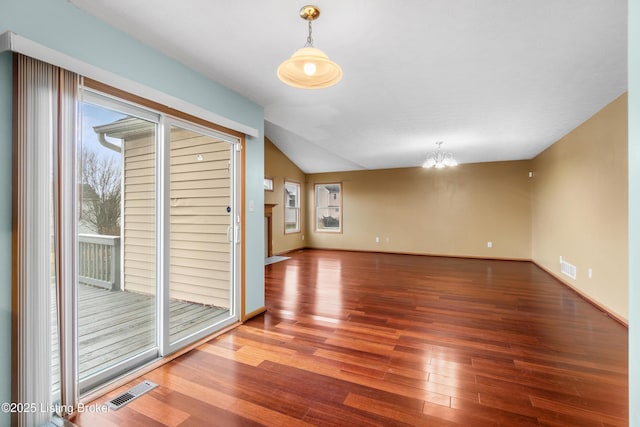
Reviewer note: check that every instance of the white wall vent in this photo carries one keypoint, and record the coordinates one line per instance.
(568, 269)
(126, 397)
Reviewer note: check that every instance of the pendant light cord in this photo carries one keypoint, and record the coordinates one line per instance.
(309, 38)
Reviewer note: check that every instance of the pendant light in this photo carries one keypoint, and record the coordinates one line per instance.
(309, 67)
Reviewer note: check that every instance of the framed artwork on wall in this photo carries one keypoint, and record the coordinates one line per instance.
(268, 184)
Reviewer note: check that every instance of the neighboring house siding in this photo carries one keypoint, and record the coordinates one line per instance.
(200, 193)
(139, 236)
(200, 263)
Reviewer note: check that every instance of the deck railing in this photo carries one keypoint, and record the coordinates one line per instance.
(99, 260)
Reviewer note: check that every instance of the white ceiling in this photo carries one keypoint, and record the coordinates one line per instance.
(493, 79)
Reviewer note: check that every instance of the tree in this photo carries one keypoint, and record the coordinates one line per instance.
(101, 193)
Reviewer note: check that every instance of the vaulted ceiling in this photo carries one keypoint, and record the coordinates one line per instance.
(493, 79)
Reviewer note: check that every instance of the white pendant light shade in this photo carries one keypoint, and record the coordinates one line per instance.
(309, 68)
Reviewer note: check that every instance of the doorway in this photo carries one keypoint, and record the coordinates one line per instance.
(268, 229)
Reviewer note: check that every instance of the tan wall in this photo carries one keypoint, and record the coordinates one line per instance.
(575, 207)
(280, 168)
(427, 211)
(580, 207)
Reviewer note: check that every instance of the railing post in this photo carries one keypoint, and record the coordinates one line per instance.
(115, 264)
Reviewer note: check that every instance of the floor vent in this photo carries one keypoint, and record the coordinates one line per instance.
(126, 397)
(568, 269)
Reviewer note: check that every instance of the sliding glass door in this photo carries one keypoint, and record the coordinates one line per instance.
(202, 233)
(158, 236)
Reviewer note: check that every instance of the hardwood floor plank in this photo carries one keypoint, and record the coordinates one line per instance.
(613, 414)
(482, 414)
(561, 420)
(409, 416)
(526, 385)
(361, 345)
(346, 358)
(451, 416)
(159, 411)
(224, 401)
(369, 339)
(204, 414)
(514, 389)
(323, 415)
(607, 374)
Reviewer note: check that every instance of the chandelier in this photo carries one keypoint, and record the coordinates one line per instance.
(439, 159)
(309, 68)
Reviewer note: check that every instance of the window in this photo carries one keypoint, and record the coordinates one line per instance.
(291, 207)
(329, 207)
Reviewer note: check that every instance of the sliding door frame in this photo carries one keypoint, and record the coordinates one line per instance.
(164, 229)
(167, 117)
(108, 102)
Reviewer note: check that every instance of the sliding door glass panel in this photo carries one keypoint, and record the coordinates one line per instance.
(201, 212)
(116, 242)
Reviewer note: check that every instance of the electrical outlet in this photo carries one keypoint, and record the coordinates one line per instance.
(303, 237)
(377, 239)
(590, 273)
(489, 244)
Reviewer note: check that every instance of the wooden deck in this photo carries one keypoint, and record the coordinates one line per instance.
(115, 325)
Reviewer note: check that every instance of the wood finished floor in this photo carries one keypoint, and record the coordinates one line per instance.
(366, 339)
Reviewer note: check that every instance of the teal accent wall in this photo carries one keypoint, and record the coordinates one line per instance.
(634, 213)
(254, 239)
(6, 91)
(59, 25)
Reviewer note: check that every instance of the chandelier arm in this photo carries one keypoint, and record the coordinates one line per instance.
(439, 159)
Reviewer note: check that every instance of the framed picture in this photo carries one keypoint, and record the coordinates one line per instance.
(268, 184)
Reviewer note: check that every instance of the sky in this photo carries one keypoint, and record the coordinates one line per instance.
(94, 115)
